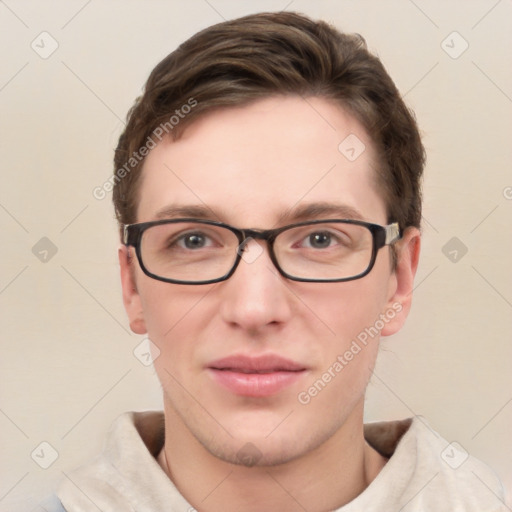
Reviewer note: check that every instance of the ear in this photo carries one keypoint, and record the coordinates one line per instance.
(402, 281)
(131, 297)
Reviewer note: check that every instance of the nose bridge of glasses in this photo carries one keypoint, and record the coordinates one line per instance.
(255, 234)
(248, 251)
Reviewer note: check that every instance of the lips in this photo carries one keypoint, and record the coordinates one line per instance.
(256, 376)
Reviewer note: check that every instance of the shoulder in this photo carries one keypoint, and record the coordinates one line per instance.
(126, 475)
(446, 476)
(106, 480)
(426, 472)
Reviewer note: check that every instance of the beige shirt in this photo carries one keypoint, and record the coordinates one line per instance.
(425, 473)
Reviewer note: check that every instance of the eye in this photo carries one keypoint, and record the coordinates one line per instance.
(318, 240)
(325, 239)
(193, 241)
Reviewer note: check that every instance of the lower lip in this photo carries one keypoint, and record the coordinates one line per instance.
(255, 384)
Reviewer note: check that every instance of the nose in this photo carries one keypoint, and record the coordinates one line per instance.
(255, 297)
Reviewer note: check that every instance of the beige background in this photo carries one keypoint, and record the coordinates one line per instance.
(67, 366)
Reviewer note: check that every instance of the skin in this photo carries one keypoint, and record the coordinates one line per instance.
(250, 167)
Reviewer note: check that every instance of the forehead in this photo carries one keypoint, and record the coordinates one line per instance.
(251, 165)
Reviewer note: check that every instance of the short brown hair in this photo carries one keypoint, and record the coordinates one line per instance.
(242, 60)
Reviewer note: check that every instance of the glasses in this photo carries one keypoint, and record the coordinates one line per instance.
(191, 251)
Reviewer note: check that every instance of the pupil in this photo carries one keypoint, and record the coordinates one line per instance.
(194, 241)
(320, 240)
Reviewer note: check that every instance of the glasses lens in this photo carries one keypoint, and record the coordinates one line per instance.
(188, 251)
(324, 251)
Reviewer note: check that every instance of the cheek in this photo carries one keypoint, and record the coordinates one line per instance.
(347, 357)
(349, 308)
(175, 317)
(351, 311)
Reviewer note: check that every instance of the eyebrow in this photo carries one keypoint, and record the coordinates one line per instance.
(321, 210)
(298, 213)
(186, 211)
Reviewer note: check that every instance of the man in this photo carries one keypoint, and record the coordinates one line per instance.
(267, 187)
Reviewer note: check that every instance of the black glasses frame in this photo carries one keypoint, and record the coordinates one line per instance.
(381, 235)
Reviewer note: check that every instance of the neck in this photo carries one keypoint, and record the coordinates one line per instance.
(326, 478)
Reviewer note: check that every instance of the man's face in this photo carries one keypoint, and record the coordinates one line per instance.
(260, 166)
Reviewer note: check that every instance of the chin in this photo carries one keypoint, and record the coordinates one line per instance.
(257, 453)
(262, 447)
